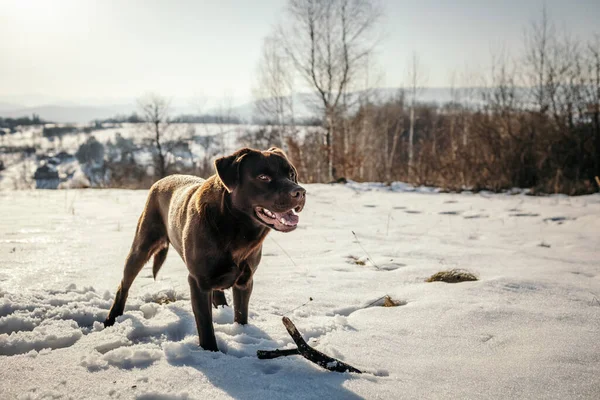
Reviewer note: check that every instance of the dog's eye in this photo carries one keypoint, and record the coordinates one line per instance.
(292, 176)
(264, 178)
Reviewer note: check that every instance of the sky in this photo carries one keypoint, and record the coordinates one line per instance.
(108, 51)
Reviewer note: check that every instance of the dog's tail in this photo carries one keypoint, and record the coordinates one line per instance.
(159, 259)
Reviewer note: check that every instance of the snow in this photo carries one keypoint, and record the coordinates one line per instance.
(19, 172)
(528, 328)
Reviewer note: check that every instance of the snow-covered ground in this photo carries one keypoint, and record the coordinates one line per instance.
(19, 170)
(33, 135)
(529, 328)
(229, 134)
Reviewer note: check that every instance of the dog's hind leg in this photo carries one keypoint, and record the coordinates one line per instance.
(150, 238)
(135, 261)
(159, 259)
(218, 298)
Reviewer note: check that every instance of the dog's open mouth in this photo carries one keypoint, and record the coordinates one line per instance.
(282, 221)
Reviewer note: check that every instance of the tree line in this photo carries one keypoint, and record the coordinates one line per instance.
(532, 122)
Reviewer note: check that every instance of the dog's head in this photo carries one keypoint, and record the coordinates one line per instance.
(263, 185)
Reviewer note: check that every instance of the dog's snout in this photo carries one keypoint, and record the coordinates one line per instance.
(298, 192)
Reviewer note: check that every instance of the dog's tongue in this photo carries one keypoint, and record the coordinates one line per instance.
(287, 218)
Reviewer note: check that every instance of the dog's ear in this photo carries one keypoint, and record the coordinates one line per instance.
(228, 168)
(280, 152)
(295, 173)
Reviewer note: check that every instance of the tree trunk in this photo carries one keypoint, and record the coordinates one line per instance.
(597, 119)
(329, 143)
(162, 170)
(392, 154)
(597, 138)
(465, 137)
(281, 138)
(411, 140)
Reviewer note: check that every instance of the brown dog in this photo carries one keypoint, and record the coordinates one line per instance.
(217, 226)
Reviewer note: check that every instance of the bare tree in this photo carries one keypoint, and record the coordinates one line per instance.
(416, 79)
(225, 116)
(154, 110)
(396, 125)
(539, 38)
(212, 143)
(593, 85)
(358, 142)
(274, 92)
(327, 41)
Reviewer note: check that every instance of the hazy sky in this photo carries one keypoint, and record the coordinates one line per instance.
(82, 49)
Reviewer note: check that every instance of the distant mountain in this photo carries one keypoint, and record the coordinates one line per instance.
(302, 103)
(6, 107)
(305, 106)
(69, 114)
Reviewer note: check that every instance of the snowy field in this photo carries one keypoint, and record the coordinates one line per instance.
(228, 134)
(19, 172)
(33, 135)
(528, 329)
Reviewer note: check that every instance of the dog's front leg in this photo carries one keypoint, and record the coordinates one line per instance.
(202, 306)
(241, 298)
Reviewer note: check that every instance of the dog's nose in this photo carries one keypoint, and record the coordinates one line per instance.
(297, 192)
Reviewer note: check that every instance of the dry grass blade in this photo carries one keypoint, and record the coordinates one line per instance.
(389, 302)
(355, 260)
(453, 276)
(363, 249)
(165, 300)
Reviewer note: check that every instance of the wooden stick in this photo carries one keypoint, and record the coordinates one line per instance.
(270, 354)
(311, 354)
